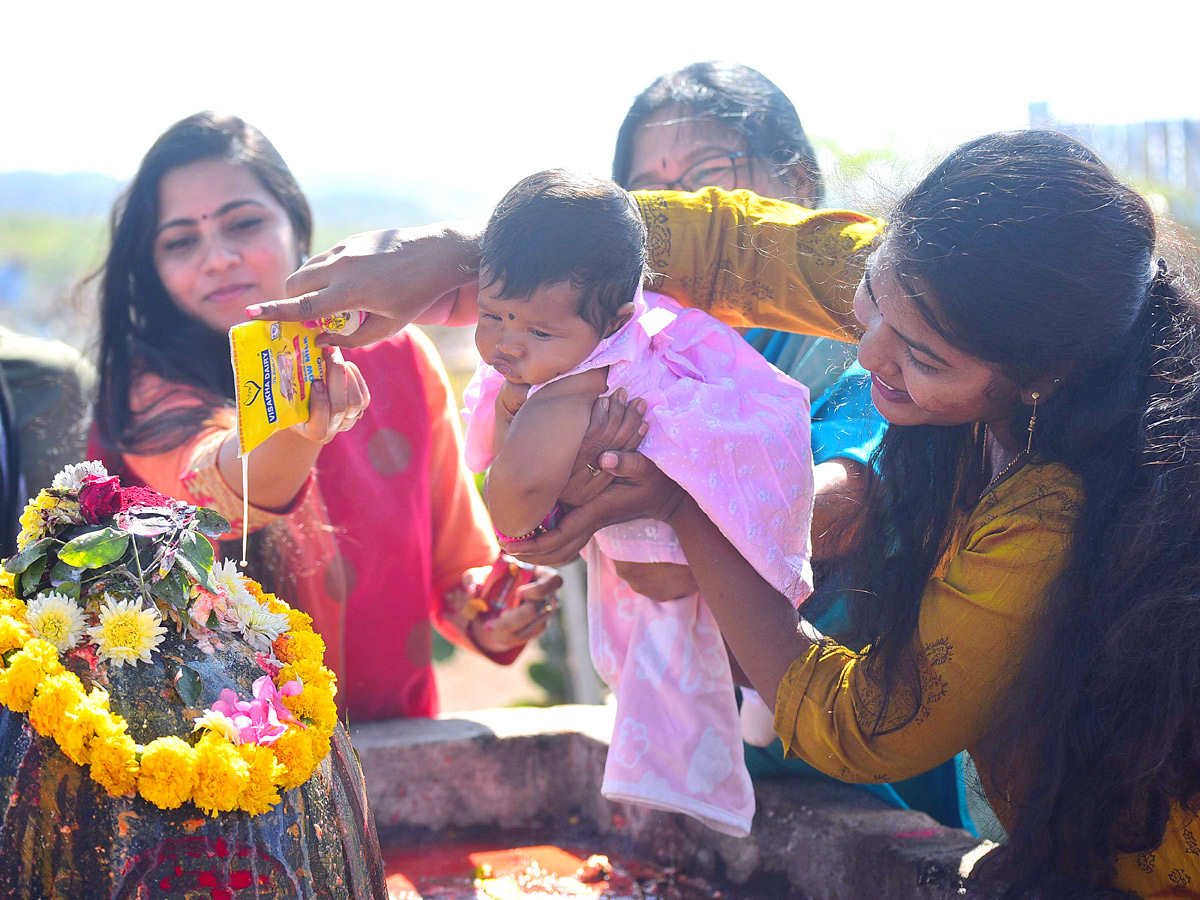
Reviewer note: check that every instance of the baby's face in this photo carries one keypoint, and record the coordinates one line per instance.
(530, 340)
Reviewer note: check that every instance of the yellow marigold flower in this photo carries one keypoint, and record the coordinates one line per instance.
(306, 645)
(300, 621)
(25, 672)
(55, 695)
(294, 752)
(324, 713)
(221, 775)
(13, 634)
(320, 745)
(8, 584)
(127, 632)
(168, 772)
(261, 791)
(80, 727)
(309, 673)
(114, 761)
(270, 601)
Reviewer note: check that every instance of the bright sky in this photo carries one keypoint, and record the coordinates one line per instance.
(469, 97)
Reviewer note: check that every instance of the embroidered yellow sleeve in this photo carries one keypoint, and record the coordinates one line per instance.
(973, 624)
(751, 261)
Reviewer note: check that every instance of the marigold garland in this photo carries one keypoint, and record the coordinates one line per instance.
(216, 775)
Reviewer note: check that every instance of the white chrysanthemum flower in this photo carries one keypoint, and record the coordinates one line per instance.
(231, 581)
(127, 632)
(258, 625)
(57, 619)
(220, 723)
(71, 478)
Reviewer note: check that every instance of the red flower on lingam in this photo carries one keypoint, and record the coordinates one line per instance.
(100, 498)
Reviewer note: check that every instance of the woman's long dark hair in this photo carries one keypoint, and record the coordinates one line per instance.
(143, 332)
(736, 97)
(1024, 250)
(141, 329)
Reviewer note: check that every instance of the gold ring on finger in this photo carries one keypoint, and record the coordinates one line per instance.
(595, 470)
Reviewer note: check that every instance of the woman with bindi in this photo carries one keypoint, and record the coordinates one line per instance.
(364, 516)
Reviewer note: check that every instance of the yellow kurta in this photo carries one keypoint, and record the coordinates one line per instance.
(751, 261)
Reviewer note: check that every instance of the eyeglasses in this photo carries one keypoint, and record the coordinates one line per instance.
(717, 171)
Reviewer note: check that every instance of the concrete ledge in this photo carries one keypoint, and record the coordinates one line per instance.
(538, 771)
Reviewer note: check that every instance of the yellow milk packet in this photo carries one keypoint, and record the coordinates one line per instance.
(274, 364)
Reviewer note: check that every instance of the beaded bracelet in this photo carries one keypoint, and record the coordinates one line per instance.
(547, 523)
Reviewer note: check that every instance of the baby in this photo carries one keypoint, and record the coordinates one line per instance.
(563, 320)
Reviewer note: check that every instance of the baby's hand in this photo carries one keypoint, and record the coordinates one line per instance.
(510, 399)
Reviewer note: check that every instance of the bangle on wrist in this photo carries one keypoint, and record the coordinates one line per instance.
(546, 524)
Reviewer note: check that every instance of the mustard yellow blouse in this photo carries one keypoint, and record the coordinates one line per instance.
(752, 261)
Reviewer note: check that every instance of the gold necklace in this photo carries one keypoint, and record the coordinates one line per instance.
(1020, 457)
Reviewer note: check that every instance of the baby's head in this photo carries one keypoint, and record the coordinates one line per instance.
(562, 258)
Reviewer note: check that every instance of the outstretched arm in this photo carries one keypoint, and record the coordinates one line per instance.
(397, 275)
(745, 259)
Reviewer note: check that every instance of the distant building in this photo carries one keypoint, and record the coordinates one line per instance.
(1160, 156)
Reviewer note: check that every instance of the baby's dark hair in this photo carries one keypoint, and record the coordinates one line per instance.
(559, 226)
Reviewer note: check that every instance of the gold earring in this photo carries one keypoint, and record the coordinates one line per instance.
(1032, 422)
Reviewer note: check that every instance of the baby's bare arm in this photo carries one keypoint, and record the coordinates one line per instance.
(535, 457)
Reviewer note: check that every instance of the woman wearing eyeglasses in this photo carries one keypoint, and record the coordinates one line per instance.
(718, 124)
(726, 125)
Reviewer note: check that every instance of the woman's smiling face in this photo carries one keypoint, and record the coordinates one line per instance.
(222, 242)
(917, 378)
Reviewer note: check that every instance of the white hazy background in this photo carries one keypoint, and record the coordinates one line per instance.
(458, 100)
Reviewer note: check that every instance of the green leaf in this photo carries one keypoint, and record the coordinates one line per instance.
(19, 563)
(32, 576)
(196, 557)
(213, 622)
(94, 549)
(172, 588)
(72, 589)
(210, 522)
(188, 685)
(62, 573)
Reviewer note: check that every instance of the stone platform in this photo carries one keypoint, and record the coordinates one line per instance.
(537, 772)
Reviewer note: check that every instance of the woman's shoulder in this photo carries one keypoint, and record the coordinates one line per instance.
(151, 392)
(1047, 496)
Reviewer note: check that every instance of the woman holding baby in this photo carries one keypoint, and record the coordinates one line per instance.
(1027, 554)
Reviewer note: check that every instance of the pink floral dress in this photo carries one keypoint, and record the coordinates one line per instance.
(733, 431)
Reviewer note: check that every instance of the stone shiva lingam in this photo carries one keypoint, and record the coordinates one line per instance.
(167, 728)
